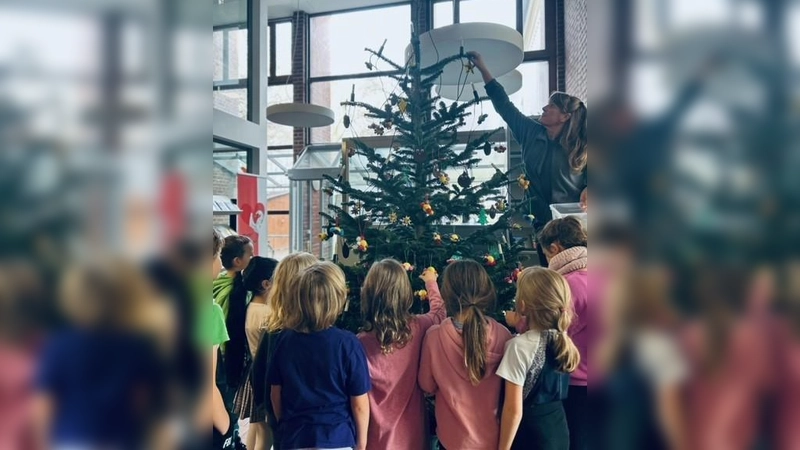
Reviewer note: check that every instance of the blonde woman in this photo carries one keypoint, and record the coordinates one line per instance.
(283, 280)
(319, 378)
(536, 365)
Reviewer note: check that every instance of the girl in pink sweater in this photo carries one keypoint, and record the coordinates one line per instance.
(460, 358)
(392, 340)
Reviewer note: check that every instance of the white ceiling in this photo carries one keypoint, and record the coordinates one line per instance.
(284, 8)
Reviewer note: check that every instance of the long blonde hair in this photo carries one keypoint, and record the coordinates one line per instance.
(317, 299)
(466, 287)
(386, 298)
(545, 299)
(283, 281)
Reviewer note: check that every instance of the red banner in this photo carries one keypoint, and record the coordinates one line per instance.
(252, 200)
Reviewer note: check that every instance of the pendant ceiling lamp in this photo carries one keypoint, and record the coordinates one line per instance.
(511, 82)
(300, 115)
(500, 46)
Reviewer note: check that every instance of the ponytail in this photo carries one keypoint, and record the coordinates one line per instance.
(474, 336)
(567, 353)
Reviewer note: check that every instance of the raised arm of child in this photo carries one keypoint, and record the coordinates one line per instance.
(437, 312)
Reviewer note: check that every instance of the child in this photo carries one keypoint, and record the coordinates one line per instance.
(229, 293)
(319, 379)
(564, 244)
(536, 365)
(459, 360)
(392, 340)
(284, 278)
(257, 281)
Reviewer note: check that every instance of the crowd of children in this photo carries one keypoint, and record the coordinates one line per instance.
(310, 385)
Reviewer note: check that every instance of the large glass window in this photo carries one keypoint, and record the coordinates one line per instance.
(533, 24)
(339, 39)
(503, 12)
(278, 135)
(231, 58)
(284, 42)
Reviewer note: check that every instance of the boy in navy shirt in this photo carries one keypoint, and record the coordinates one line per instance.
(319, 374)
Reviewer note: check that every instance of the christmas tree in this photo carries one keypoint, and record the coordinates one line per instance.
(408, 207)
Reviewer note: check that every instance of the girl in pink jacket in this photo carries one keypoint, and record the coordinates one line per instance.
(460, 358)
(392, 340)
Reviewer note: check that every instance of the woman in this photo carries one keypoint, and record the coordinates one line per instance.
(553, 148)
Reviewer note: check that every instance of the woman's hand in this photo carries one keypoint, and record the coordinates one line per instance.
(477, 59)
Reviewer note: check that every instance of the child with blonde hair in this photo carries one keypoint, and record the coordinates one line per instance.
(284, 277)
(392, 339)
(319, 378)
(459, 360)
(537, 364)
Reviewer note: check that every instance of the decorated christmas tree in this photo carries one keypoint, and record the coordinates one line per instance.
(409, 207)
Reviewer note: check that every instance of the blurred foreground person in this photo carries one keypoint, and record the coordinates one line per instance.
(100, 383)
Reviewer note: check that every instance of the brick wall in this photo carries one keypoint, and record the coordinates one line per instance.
(575, 48)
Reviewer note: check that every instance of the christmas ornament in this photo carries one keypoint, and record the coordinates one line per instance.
(482, 118)
(392, 217)
(408, 267)
(464, 180)
(403, 105)
(454, 238)
(516, 226)
(482, 217)
(361, 244)
(376, 128)
(500, 148)
(493, 212)
(432, 269)
(387, 124)
(523, 182)
(501, 205)
(406, 221)
(324, 236)
(530, 218)
(469, 67)
(388, 108)
(444, 179)
(328, 190)
(514, 276)
(437, 238)
(346, 121)
(426, 206)
(356, 208)
(351, 152)
(387, 176)
(369, 65)
(422, 294)
(487, 148)
(393, 99)
(336, 230)
(490, 260)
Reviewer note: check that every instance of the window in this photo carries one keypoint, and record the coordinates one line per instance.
(278, 162)
(339, 39)
(231, 70)
(279, 135)
(229, 162)
(373, 90)
(442, 14)
(281, 42)
(533, 24)
(503, 12)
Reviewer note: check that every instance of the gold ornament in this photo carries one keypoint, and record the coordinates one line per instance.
(490, 260)
(406, 221)
(422, 294)
(454, 238)
(324, 236)
(408, 267)
(523, 182)
(437, 238)
(362, 245)
(444, 179)
(403, 105)
(426, 206)
(501, 205)
(393, 217)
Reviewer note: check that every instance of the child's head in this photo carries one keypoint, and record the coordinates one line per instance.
(543, 296)
(386, 298)
(284, 278)
(317, 299)
(216, 263)
(469, 293)
(236, 253)
(562, 234)
(257, 276)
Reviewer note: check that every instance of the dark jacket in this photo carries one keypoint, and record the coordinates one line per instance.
(546, 162)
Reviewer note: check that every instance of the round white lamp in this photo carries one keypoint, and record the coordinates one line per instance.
(500, 46)
(300, 115)
(511, 82)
